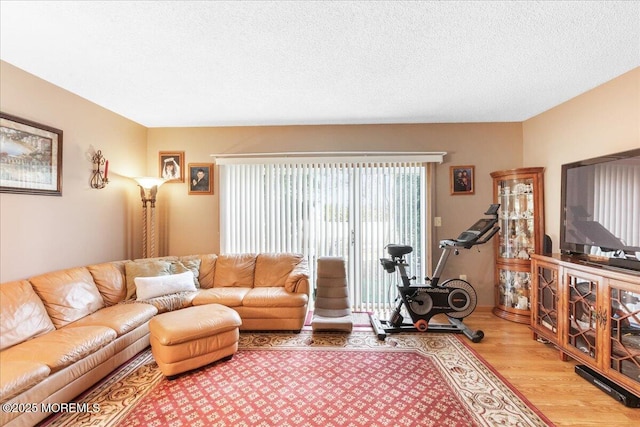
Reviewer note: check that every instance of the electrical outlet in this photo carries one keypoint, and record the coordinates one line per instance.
(463, 277)
(437, 221)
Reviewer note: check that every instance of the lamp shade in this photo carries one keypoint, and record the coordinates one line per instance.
(147, 182)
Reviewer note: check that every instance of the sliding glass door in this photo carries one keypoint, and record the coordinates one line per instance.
(352, 210)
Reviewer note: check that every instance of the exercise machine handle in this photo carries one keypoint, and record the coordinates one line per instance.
(488, 236)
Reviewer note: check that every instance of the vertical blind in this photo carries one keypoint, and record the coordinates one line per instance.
(610, 182)
(347, 209)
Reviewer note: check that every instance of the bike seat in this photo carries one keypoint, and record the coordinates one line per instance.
(399, 250)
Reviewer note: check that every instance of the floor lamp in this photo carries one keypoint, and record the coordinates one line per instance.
(148, 190)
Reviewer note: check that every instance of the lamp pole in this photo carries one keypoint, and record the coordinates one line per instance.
(145, 201)
(148, 191)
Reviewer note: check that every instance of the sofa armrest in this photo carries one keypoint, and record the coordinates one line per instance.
(298, 279)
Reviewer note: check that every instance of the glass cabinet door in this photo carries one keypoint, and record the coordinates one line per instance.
(514, 288)
(546, 309)
(517, 237)
(584, 315)
(624, 312)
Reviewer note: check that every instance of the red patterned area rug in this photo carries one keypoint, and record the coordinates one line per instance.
(309, 379)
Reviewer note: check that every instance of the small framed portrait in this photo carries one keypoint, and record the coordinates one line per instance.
(172, 166)
(461, 178)
(200, 178)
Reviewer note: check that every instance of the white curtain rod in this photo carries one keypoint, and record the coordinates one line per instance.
(326, 157)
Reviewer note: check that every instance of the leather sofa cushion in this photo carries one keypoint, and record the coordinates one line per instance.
(17, 376)
(230, 297)
(68, 295)
(274, 297)
(235, 270)
(193, 323)
(272, 318)
(298, 280)
(109, 278)
(60, 348)
(23, 314)
(207, 270)
(274, 269)
(122, 318)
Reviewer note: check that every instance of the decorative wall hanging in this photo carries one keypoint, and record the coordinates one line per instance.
(30, 157)
(100, 173)
(172, 166)
(200, 178)
(461, 178)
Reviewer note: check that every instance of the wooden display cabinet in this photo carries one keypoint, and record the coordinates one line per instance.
(520, 195)
(591, 313)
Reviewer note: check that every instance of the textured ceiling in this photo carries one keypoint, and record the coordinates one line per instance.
(193, 63)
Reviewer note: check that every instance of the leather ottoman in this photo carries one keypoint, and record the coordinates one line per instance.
(193, 337)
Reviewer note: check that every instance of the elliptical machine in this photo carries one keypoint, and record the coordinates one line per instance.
(455, 298)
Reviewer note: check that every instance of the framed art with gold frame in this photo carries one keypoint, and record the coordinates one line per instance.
(462, 180)
(171, 166)
(201, 178)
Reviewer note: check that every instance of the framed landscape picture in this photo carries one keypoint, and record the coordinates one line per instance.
(172, 166)
(30, 157)
(200, 178)
(461, 178)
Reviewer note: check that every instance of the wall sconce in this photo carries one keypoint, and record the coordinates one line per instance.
(148, 190)
(99, 178)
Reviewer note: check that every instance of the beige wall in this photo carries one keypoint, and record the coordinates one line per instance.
(601, 121)
(85, 226)
(190, 224)
(44, 233)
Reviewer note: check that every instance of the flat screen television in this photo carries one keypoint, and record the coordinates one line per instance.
(600, 216)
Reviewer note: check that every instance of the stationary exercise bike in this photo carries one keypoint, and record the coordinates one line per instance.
(455, 298)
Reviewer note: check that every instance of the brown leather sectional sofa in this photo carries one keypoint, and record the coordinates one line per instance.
(63, 331)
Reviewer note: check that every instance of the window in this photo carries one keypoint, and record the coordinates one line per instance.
(331, 208)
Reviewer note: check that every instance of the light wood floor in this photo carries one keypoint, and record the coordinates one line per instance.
(536, 371)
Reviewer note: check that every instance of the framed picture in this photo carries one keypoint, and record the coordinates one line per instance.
(200, 178)
(30, 157)
(461, 178)
(172, 166)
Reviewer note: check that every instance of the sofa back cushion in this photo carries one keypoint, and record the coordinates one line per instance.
(109, 277)
(68, 295)
(207, 270)
(274, 269)
(236, 270)
(22, 314)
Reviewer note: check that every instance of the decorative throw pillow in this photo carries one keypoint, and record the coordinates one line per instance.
(188, 264)
(151, 287)
(144, 268)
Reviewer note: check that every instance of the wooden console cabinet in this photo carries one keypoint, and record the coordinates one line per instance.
(591, 313)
